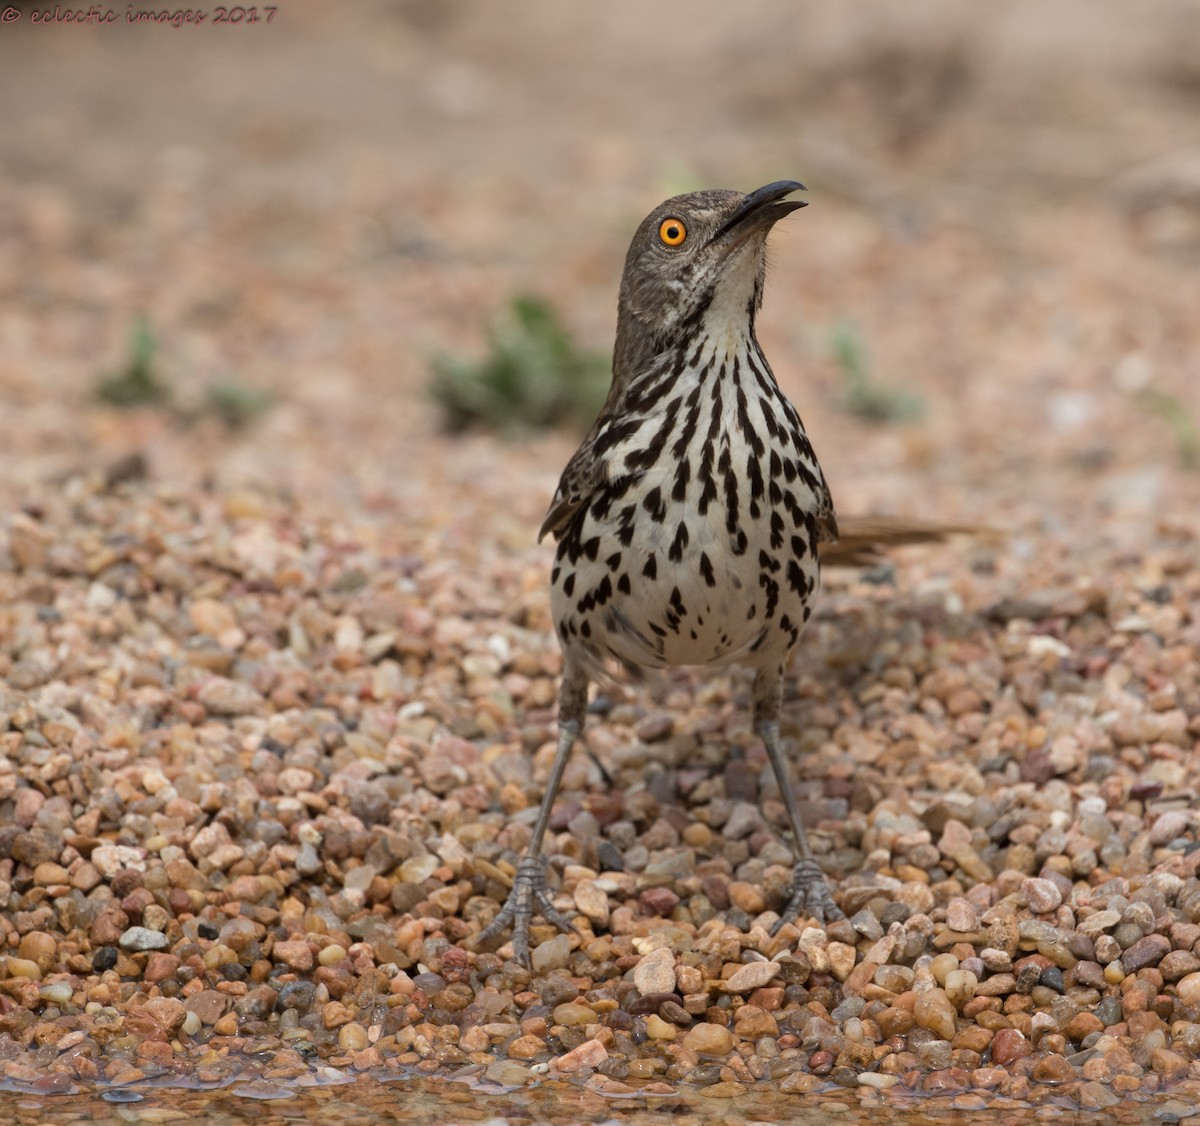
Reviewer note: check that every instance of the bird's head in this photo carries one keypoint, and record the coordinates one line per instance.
(695, 257)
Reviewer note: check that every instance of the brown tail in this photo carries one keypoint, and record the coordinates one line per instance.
(862, 540)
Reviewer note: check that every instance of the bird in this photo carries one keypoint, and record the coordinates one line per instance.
(691, 521)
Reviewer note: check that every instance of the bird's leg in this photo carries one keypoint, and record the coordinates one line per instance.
(810, 892)
(529, 884)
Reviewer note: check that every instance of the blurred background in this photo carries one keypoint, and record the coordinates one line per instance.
(356, 254)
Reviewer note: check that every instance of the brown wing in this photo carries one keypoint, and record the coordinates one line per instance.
(828, 532)
(827, 521)
(583, 475)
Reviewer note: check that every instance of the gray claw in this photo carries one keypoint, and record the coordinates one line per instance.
(810, 896)
(528, 891)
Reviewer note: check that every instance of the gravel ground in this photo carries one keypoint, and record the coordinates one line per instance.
(276, 704)
(264, 778)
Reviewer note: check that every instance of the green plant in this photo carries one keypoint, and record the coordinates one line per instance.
(1183, 426)
(236, 404)
(138, 383)
(533, 376)
(862, 395)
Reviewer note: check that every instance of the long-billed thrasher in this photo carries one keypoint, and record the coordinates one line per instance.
(689, 520)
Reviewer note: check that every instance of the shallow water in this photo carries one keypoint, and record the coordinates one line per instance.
(347, 1101)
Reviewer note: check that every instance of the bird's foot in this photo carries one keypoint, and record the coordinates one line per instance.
(528, 892)
(810, 897)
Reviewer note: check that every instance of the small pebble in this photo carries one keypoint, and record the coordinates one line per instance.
(352, 1037)
(142, 938)
(709, 1039)
(659, 1029)
(296, 954)
(961, 915)
(877, 1080)
(751, 976)
(551, 954)
(1043, 896)
(934, 1011)
(587, 1055)
(332, 954)
(655, 973)
(570, 1014)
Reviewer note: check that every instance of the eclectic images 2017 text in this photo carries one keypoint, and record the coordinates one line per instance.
(171, 17)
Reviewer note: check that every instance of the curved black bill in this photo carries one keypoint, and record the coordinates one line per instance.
(763, 205)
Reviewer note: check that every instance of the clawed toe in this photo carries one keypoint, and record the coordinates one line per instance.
(528, 892)
(810, 897)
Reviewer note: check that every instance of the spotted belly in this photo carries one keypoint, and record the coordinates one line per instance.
(697, 546)
(649, 582)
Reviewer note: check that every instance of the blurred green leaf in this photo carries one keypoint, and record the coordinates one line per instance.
(236, 404)
(862, 396)
(1183, 426)
(138, 383)
(533, 376)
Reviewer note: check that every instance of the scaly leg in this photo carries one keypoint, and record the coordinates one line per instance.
(810, 892)
(529, 885)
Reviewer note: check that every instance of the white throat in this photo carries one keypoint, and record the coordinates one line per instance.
(727, 319)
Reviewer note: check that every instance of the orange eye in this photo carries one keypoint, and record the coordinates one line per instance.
(672, 232)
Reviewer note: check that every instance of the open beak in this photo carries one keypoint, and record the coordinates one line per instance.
(762, 208)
